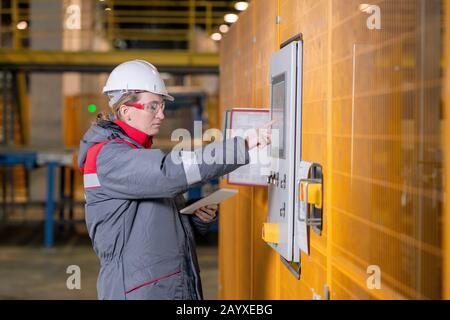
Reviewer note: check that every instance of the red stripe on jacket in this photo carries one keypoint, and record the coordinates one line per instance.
(90, 165)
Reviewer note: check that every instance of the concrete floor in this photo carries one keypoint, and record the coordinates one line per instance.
(29, 271)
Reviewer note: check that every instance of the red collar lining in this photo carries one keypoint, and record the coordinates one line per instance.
(140, 137)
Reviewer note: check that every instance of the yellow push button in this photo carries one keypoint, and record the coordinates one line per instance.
(270, 232)
(314, 194)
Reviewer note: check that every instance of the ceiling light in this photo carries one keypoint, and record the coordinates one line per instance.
(224, 28)
(231, 17)
(22, 25)
(241, 5)
(216, 36)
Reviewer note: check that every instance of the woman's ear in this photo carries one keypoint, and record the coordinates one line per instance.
(124, 112)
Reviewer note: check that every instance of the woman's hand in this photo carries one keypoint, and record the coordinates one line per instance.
(207, 213)
(262, 137)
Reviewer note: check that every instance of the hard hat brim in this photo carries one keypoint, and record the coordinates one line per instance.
(168, 97)
(165, 95)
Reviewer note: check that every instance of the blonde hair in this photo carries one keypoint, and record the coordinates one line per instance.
(128, 97)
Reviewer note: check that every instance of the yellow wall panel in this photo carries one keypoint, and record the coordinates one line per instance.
(372, 118)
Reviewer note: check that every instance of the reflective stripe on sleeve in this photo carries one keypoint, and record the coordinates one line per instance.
(191, 168)
(91, 181)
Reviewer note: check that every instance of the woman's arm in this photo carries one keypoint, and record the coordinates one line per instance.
(129, 173)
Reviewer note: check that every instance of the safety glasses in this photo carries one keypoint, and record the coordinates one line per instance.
(152, 107)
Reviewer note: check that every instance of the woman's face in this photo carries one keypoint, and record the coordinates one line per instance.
(145, 120)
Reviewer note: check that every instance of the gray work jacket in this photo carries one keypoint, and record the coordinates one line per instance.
(133, 196)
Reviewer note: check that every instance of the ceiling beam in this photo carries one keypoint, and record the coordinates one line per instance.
(173, 61)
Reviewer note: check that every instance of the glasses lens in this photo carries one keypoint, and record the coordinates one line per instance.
(156, 106)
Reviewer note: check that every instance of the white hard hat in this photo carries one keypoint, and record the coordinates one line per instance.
(135, 75)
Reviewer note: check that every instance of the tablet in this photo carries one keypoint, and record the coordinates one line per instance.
(214, 198)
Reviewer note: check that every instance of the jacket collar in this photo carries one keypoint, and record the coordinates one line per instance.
(140, 137)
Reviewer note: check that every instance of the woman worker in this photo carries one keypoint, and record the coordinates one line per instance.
(134, 193)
